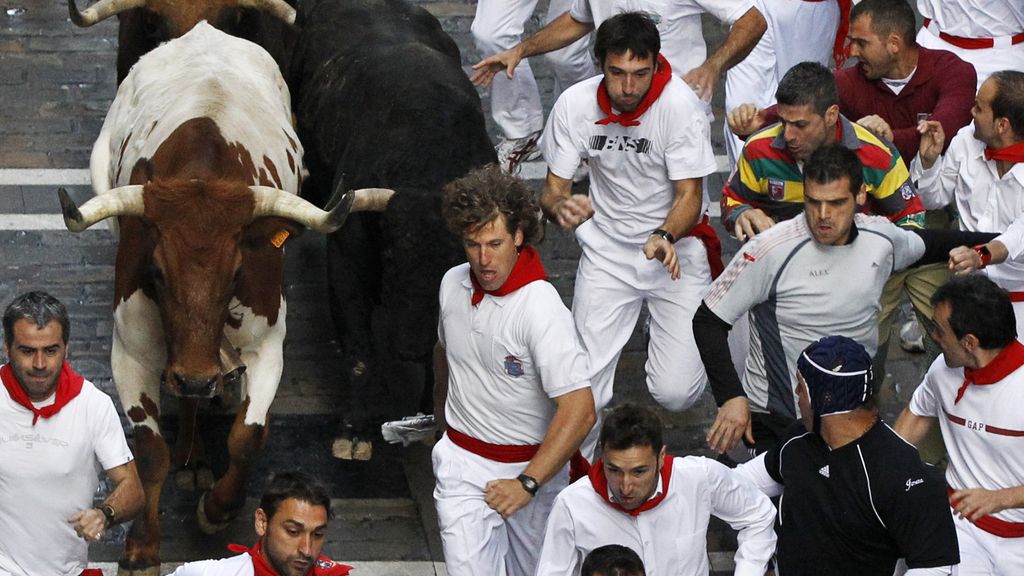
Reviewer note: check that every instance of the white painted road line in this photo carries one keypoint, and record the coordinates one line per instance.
(48, 177)
(536, 170)
(39, 222)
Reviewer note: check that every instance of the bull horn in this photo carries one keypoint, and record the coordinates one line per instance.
(276, 8)
(272, 201)
(101, 11)
(122, 201)
(371, 199)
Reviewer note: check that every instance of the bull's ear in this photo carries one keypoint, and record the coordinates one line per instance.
(270, 233)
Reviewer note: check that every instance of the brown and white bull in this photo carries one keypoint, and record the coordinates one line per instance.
(198, 159)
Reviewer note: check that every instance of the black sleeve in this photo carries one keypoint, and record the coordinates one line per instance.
(938, 243)
(712, 336)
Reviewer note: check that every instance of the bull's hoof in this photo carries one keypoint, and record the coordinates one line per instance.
(352, 449)
(209, 526)
(192, 479)
(147, 571)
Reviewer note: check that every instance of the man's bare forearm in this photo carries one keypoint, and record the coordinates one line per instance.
(743, 36)
(559, 33)
(573, 419)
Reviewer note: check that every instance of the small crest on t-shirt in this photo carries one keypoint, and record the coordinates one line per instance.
(776, 188)
(824, 471)
(906, 191)
(513, 366)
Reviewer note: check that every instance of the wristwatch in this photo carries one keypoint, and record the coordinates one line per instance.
(529, 484)
(664, 234)
(108, 514)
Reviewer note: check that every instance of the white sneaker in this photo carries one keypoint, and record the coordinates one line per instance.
(911, 339)
(512, 152)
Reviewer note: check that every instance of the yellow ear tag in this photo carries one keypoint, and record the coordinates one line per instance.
(279, 238)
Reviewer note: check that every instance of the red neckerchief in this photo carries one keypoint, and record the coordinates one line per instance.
(662, 74)
(323, 566)
(1008, 360)
(840, 51)
(1011, 153)
(69, 385)
(600, 482)
(528, 268)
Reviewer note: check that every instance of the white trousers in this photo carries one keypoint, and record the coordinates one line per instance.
(515, 104)
(798, 31)
(613, 281)
(986, 554)
(476, 539)
(985, 60)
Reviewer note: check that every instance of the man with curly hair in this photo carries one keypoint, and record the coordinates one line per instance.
(512, 391)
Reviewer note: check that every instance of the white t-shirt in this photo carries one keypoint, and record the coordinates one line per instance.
(984, 201)
(508, 357)
(631, 168)
(48, 472)
(670, 538)
(983, 432)
(678, 21)
(240, 565)
(975, 18)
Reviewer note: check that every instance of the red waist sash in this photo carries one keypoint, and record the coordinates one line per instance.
(506, 453)
(971, 43)
(994, 525)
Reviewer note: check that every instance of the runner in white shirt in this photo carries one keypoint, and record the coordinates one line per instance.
(987, 33)
(975, 390)
(989, 192)
(511, 383)
(678, 22)
(291, 523)
(58, 432)
(515, 102)
(657, 505)
(648, 148)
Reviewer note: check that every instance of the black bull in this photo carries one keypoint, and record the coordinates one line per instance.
(382, 101)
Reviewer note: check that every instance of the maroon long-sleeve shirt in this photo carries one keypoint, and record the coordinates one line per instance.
(942, 86)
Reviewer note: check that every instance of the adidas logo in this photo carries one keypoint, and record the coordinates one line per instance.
(824, 471)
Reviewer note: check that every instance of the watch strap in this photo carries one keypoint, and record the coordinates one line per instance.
(529, 483)
(664, 234)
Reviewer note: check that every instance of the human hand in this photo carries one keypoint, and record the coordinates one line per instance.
(731, 424)
(973, 503)
(573, 210)
(933, 138)
(660, 248)
(745, 119)
(964, 260)
(876, 124)
(702, 79)
(506, 496)
(486, 69)
(90, 524)
(750, 223)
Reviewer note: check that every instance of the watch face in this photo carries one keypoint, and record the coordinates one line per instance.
(529, 484)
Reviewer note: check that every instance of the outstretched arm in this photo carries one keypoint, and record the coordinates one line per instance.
(559, 33)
